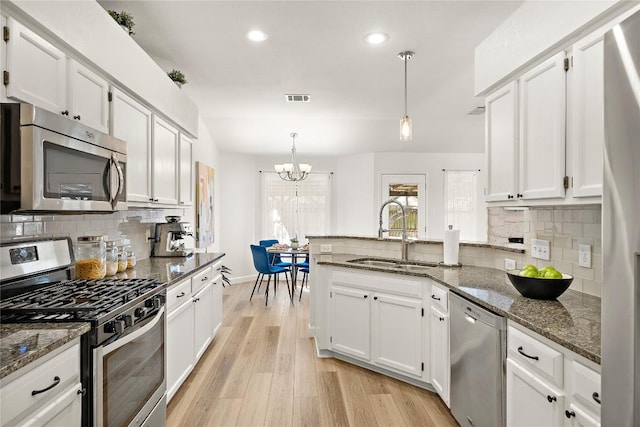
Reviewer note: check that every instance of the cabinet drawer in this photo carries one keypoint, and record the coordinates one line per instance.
(178, 294)
(440, 298)
(63, 370)
(586, 386)
(201, 279)
(534, 354)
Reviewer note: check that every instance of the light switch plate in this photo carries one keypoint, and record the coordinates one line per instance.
(540, 249)
(584, 256)
(509, 264)
(325, 249)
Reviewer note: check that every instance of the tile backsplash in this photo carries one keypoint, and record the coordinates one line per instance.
(565, 227)
(134, 225)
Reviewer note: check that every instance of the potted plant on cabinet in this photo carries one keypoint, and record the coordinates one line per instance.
(177, 77)
(124, 19)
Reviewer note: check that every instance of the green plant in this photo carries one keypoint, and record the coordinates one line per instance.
(123, 18)
(177, 76)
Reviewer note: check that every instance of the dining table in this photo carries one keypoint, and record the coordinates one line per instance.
(294, 254)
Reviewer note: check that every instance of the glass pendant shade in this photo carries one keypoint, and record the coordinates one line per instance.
(406, 129)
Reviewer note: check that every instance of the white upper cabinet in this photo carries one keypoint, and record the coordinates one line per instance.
(88, 100)
(186, 171)
(131, 122)
(542, 130)
(42, 75)
(164, 164)
(501, 149)
(37, 69)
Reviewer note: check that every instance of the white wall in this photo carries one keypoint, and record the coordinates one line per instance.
(534, 30)
(355, 190)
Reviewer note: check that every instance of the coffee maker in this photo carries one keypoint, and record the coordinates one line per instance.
(170, 237)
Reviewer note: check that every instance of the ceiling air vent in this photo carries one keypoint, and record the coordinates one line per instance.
(298, 98)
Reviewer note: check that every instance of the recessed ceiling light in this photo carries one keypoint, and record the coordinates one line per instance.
(376, 38)
(257, 36)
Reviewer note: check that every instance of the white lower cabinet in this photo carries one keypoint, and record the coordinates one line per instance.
(351, 322)
(194, 308)
(440, 368)
(548, 385)
(397, 333)
(55, 379)
(530, 401)
(378, 319)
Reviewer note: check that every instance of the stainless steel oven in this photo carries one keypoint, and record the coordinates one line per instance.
(129, 375)
(52, 163)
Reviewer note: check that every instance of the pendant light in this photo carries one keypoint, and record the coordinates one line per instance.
(406, 127)
(293, 171)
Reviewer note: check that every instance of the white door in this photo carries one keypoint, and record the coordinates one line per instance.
(186, 174)
(530, 401)
(501, 136)
(217, 305)
(542, 130)
(350, 322)
(88, 97)
(165, 162)
(397, 333)
(587, 118)
(440, 369)
(180, 344)
(37, 69)
(203, 319)
(131, 122)
(411, 191)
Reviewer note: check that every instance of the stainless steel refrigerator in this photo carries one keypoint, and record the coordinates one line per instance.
(621, 227)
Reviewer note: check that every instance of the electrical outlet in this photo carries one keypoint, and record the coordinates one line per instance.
(584, 256)
(540, 249)
(325, 249)
(509, 264)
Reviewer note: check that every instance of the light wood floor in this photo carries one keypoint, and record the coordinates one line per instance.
(261, 370)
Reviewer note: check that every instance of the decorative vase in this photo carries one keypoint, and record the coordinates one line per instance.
(124, 27)
(178, 84)
(294, 244)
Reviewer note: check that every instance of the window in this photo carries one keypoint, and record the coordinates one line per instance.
(461, 203)
(410, 192)
(289, 208)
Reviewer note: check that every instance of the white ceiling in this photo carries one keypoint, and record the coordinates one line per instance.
(317, 48)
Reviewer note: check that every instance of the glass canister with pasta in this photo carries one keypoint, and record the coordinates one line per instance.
(91, 261)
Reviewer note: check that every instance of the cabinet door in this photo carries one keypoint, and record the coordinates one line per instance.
(397, 333)
(186, 171)
(440, 368)
(88, 97)
(350, 322)
(217, 305)
(530, 401)
(587, 119)
(63, 411)
(579, 417)
(501, 143)
(37, 69)
(203, 319)
(131, 122)
(542, 130)
(165, 162)
(180, 342)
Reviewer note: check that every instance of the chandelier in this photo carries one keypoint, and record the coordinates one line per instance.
(406, 127)
(293, 171)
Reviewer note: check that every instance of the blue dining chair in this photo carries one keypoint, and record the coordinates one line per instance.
(264, 267)
(274, 259)
(305, 278)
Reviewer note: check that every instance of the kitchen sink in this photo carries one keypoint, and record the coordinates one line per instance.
(396, 265)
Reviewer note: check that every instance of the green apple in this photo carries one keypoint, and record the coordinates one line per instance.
(529, 273)
(552, 274)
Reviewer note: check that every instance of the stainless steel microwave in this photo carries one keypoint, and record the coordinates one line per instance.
(51, 163)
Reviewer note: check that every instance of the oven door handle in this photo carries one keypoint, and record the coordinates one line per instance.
(114, 199)
(133, 335)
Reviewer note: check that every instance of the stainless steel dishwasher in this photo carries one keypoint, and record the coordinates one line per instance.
(478, 352)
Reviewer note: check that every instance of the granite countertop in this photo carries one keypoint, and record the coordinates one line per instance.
(573, 320)
(508, 247)
(21, 344)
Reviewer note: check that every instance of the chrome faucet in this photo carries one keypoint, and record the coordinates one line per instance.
(381, 231)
